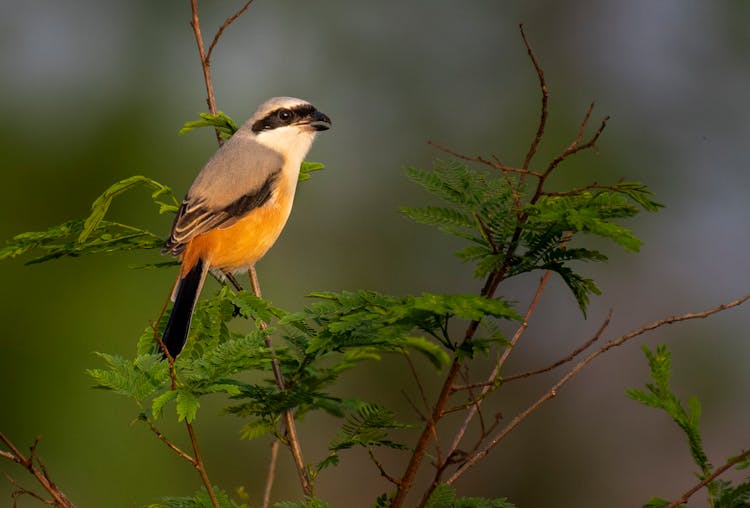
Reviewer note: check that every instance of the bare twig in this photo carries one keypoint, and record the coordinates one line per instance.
(380, 467)
(576, 145)
(580, 349)
(271, 476)
(39, 472)
(205, 62)
(164, 439)
(718, 471)
(495, 165)
(224, 26)
(552, 392)
(492, 378)
(198, 464)
(545, 102)
(292, 440)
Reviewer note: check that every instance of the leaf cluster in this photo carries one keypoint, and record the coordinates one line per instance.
(444, 496)
(658, 394)
(95, 235)
(512, 230)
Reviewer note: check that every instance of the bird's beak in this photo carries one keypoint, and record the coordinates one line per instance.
(320, 121)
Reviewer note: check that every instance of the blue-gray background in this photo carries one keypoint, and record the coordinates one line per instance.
(92, 92)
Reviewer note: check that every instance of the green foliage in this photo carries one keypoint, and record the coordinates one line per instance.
(201, 499)
(367, 428)
(511, 231)
(222, 122)
(137, 379)
(659, 395)
(722, 494)
(309, 502)
(445, 497)
(94, 235)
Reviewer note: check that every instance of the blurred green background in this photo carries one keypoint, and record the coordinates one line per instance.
(92, 92)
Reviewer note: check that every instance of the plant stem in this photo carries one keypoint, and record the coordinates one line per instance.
(291, 430)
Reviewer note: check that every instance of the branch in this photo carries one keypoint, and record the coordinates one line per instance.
(291, 430)
(164, 439)
(552, 392)
(495, 165)
(580, 349)
(380, 467)
(545, 102)
(40, 473)
(271, 473)
(575, 145)
(205, 62)
(198, 464)
(719, 470)
(224, 26)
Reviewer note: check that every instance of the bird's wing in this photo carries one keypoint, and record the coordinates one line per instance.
(240, 177)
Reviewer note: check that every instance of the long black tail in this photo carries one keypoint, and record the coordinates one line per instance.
(186, 294)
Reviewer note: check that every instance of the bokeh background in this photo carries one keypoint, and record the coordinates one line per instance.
(92, 92)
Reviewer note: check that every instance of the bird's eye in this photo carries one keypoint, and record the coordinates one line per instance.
(285, 115)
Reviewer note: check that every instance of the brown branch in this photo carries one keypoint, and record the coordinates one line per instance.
(552, 392)
(224, 26)
(493, 377)
(719, 470)
(291, 430)
(545, 102)
(271, 473)
(574, 146)
(380, 467)
(495, 165)
(580, 349)
(39, 472)
(164, 439)
(198, 464)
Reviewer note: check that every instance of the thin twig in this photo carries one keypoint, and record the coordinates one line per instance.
(205, 65)
(575, 145)
(380, 467)
(164, 439)
(495, 165)
(545, 102)
(580, 349)
(198, 464)
(491, 379)
(40, 473)
(719, 470)
(271, 476)
(23, 491)
(291, 429)
(224, 26)
(552, 392)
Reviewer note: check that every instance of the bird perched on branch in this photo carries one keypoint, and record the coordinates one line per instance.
(239, 202)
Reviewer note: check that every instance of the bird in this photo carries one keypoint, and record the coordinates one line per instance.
(239, 203)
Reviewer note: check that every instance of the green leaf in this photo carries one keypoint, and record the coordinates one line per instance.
(201, 499)
(368, 428)
(657, 502)
(659, 395)
(445, 497)
(220, 121)
(256, 428)
(137, 379)
(307, 168)
(157, 405)
(187, 406)
(101, 205)
(309, 502)
(469, 307)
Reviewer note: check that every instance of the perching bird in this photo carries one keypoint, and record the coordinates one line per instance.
(239, 202)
